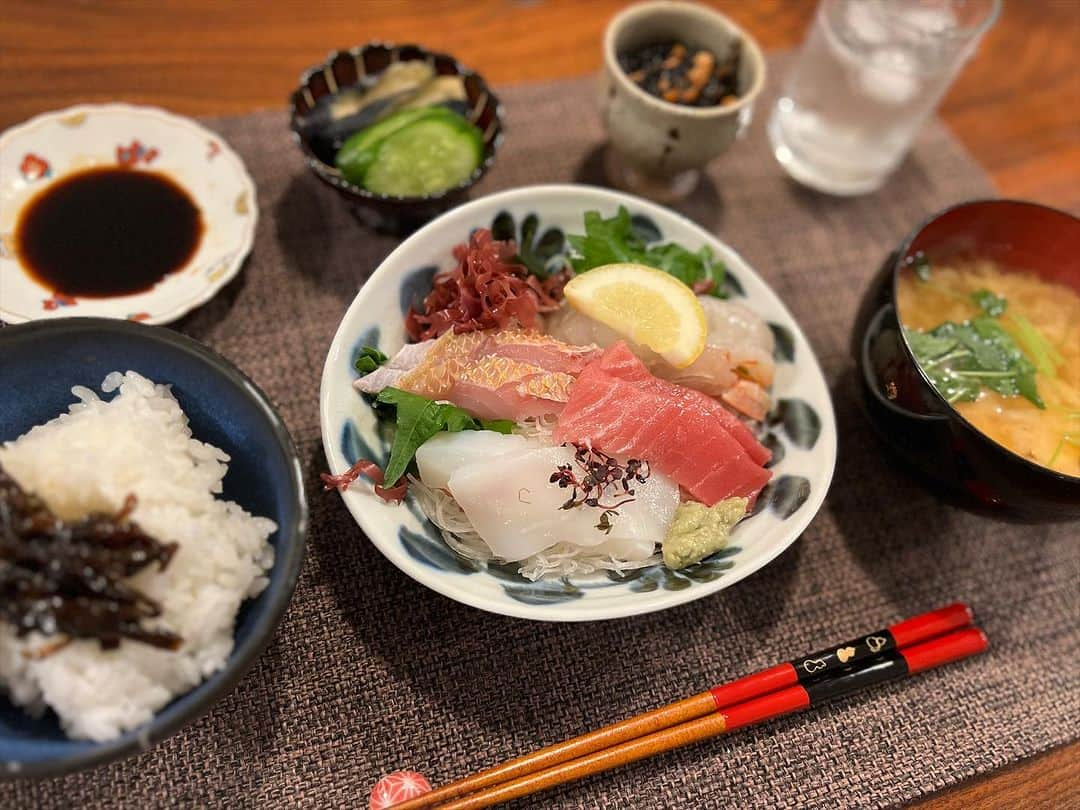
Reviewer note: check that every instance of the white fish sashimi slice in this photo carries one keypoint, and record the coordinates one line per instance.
(380, 378)
(386, 375)
(731, 324)
(515, 508)
(440, 456)
(570, 326)
(738, 345)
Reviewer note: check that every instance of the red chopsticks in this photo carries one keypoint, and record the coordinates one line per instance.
(825, 662)
(906, 648)
(901, 663)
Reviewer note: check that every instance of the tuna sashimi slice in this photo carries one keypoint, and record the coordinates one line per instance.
(620, 408)
(623, 363)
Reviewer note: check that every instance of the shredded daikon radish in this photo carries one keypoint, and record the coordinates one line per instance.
(561, 560)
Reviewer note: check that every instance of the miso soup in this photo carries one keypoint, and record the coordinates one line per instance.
(1003, 348)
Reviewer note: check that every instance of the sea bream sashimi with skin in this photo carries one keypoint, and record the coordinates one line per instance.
(737, 364)
(493, 374)
(503, 484)
(618, 406)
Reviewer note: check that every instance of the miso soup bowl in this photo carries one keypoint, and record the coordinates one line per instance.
(922, 430)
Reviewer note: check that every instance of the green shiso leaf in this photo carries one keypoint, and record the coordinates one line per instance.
(614, 240)
(418, 419)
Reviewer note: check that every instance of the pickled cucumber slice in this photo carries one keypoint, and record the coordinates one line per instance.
(358, 152)
(425, 157)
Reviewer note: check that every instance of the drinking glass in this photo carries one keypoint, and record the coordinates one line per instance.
(868, 75)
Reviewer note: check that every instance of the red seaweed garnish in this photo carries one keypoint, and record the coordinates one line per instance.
(371, 471)
(486, 289)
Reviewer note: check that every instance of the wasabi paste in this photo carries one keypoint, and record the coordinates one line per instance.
(699, 530)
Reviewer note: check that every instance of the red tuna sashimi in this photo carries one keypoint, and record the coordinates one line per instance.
(624, 364)
(618, 406)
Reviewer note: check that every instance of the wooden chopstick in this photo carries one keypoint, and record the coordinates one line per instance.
(898, 664)
(803, 669)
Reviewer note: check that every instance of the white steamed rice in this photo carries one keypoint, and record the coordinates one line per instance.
(90, 459)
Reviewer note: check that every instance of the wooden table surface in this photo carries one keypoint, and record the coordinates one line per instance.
(1016, 107)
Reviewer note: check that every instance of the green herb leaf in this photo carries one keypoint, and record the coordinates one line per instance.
(505, 426)
(608, 241)
(963, 358)
(931, 345)
(418, 419)
(368, 359)
(990, 303)
(605, 241)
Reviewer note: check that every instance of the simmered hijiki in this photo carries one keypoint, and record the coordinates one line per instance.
(599, 418)
(1003, 348)
(68, 577)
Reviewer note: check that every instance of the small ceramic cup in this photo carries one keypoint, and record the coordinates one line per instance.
(657, 148)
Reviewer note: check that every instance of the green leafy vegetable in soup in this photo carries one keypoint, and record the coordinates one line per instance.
(990, 303)
(614, 240)
(961, 358)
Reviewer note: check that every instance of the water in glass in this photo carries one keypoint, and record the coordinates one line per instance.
(868, 74)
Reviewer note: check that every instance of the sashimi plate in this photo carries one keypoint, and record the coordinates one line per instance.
(801, 429)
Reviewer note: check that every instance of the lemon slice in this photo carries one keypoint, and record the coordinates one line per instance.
(645, 305)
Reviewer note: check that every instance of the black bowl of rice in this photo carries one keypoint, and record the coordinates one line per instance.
(145, 426)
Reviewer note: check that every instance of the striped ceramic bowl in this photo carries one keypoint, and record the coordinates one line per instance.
(357, 66)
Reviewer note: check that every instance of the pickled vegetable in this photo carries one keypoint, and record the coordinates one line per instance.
(430, 155)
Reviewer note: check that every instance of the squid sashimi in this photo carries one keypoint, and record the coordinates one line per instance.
(737, 364)
(504, 486)
(618, 406)
(494, 374)
(441, 455)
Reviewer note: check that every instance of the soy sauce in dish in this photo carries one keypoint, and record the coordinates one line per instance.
(108, 231)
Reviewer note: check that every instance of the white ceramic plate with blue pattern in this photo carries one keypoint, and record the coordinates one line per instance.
(801, 427)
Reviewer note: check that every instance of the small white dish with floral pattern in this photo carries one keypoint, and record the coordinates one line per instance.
(45, 149)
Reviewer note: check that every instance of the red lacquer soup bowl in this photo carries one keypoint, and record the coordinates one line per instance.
(927, 434)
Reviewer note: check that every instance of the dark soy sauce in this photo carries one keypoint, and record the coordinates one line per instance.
(105, 232)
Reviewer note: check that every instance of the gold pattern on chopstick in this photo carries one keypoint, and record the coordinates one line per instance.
(845, 654)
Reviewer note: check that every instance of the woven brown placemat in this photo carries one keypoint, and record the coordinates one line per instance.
(370, 672)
